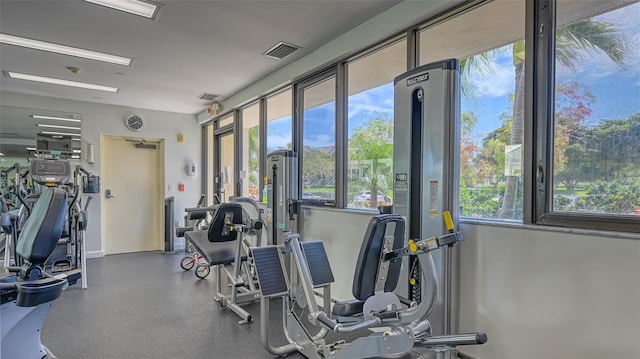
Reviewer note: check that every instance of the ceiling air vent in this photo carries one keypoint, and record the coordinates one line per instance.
(280, 50)
(207, 96)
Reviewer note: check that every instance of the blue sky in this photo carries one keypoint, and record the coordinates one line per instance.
(616, 89)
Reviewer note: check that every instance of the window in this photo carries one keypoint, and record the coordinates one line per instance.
(279, 121)
(250, 174)
(226, 120)
(596, 129)
(488, 41)
(370, 125)
(319, 138)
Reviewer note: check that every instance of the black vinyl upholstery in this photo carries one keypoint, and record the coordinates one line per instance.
(231, 212)
(369, 260)
(43, 228)
(365, 276)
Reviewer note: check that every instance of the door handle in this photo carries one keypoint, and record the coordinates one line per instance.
(108, 194)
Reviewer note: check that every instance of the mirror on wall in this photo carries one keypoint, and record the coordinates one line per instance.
(27, 132)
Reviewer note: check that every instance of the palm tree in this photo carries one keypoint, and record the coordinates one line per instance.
(571, 42)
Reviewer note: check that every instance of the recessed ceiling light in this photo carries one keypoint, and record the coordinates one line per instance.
(1, 154)
(58, 126)
(136, 7)
(75, 157)
(64, 50)
(51, 80)
(55, 118)
(60, 133)
(76, 139)
(31, 148)
(77, 151)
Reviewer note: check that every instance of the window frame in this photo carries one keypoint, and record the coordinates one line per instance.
(298, 133)
(539, 130)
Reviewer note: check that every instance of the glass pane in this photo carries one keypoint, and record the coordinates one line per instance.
(279, 121)
(318, 140)
(227, 176)
(211, 176)
(227, 120)
(597, 108)
(251, 151)
(489, 43)
(370, 122)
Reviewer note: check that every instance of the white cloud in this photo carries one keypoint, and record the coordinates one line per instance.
(278, 141)
(315, 141)
(356, 108)
(498, 83)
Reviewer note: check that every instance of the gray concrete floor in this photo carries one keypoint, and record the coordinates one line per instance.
(143, 305)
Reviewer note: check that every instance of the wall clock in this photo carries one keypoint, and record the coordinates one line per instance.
(134, 122)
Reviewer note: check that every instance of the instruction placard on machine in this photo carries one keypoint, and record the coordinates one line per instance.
(401, 194)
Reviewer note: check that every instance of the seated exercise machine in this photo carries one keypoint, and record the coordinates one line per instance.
(403, 277)
(376, 306)
(28, 292)
(223, 246)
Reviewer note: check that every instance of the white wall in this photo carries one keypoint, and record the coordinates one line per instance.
(342, 234)
(536, 293)
(99, 119)
(549, 294)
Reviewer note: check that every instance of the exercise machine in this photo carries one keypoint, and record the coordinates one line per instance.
(29, 292)
(425, 168)
(70, 253)
(391, 260)
(223, 246)
(402, 328)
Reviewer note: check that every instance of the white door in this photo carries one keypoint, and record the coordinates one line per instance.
(132, 183)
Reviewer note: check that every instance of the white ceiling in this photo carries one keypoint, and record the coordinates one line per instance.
(190, 48)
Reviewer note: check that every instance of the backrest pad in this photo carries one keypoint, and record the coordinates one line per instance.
(369, 259)
(43, 228)
(226, 211)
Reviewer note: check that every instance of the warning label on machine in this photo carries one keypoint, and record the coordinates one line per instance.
(433, 198)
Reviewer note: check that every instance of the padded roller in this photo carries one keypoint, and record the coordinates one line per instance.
(318, 261)
(269, 269)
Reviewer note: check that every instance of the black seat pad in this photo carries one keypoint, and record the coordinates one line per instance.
(214, 253)
(348, 308)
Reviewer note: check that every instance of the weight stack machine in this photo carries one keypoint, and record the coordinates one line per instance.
(283, 204)
(426, 171)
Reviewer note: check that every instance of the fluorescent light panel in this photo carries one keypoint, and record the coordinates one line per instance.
(64, 50)
(31, 148)
(58, 126)
(61, 82)
(77, 151)
(75, 157)
(60, 133)
(135, 7)
(55, 118)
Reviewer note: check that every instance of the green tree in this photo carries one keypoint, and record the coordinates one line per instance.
(373, 141)
(468, 150)
(319, 166)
